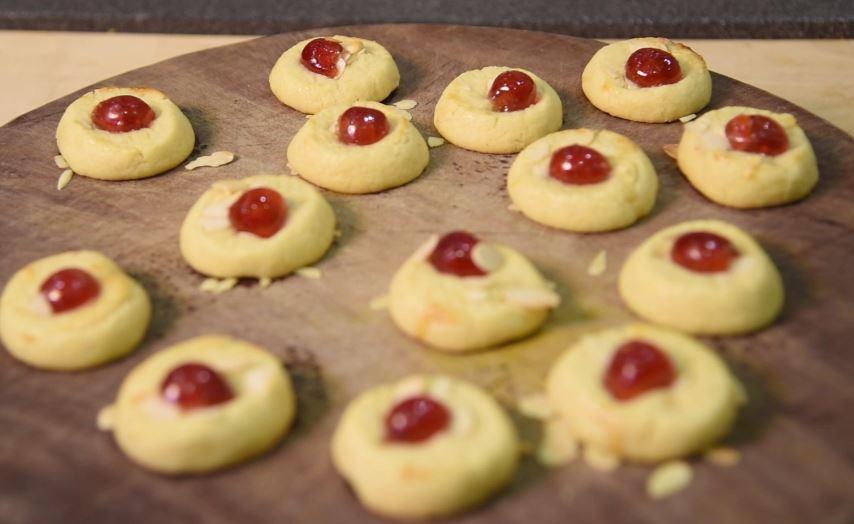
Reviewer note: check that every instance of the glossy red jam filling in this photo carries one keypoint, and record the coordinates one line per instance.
(321, 56)
(261, 211)
(195, 385)
(416, 419)
(362, 126)
(69, 288)
(637, 368)
(121, 114)
(650, 67)
(579, 165)
(452, 255)
(703, 252)
(512, 91)
(757, 134)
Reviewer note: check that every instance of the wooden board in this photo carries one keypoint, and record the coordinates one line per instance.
(796, 436)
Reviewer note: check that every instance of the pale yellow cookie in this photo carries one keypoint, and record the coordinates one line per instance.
(624, 197)
(104, 328)
(744, 298)
(366, 72)
(605, 84)
(687, 416)
(163, 436)
(455, 469)
(146, 152)
(317, 155)
(460, 314)
(211, 245)
(465, 117)
(741, 179)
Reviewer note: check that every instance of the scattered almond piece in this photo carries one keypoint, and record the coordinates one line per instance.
(600, 459)
(558, 446)
(379, 303)
(598, 264)
(64, 179)
(219, 158)
(265, 282)
(217, 286)
(310, 272)
(60, 162)
(532, 298)
(487, 257)
(668, 479)
(435, 141)
(723, 456)
(406, 105)
(106, 417)
(687, 118)
(535, 406)
(671, 150)
(352, 46)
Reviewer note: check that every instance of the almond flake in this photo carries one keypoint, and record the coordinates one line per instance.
(265, 282)
(215, 216)
(106, 418)
(219, 158)
(406, 105)
(535, 406)
(309, 272)
(426, 248)
(601, 459)
(668, 479)
(441, 387)
(671, 150)
(352, 46)
(60, 162)
(687, 118)
(598, 264)
(435, 141)
(723, 456)
(410, 387)
(532, 298)
(558, 446)
(378, 303)
(64, 179)
(487, 257)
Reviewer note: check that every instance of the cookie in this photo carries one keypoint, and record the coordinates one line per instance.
(497, 110)
(361, 148)
(115, 133)
(73, 310)
(647, 80)
(263, 226)
(583, 180)
(644, 394)
(746, 158)
(460, 294)
(427, 446)
(322, 72)
(704, 277)
(201, 405)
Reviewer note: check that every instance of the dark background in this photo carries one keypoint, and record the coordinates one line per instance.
(599, 18)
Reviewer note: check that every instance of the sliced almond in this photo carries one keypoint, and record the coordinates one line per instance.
(558, 446)
(668, 479)
(64, 179)
(600, 459)
(378, 303)
(106, 418)
(219, 158)
(487, 257)
(352, 46)
(671, 150)
(60, 162)
(215, 216)
(598, 264)
(532, 298)
(313, 273)
(410, 387)
(40, 305)
(687, 118)
(536, 406)
(435, 141)
(723, 456)
(426, 248)
(440, 387)
(406, 105)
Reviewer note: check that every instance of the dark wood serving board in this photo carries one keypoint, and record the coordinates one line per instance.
(796, 436)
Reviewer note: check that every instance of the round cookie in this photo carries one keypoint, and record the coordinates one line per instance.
(96, 153)
(369, 73)
(47, 327)
(183, 427)
(455, 468)
(742, 179)
(212, 245)
(664, 422)
(627, 194)
(318, 155)
(606, 85)
(465, 116)
(505, 299)
(743, 297)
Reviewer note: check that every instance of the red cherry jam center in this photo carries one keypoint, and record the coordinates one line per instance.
(703, 252)
(416, 419)
(69, 288)
(757, 134)
(321, 56)
(261, 211)
(362, 126)
(194, 385)
(452, 255)
(512, 91)
(122, 114)
(636, 368)
(650, 67)
(579, 165)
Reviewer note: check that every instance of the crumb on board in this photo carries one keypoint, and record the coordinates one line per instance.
(217, 286)
(64, 179)
(435, 141)
(668, 478)
(406, 105)
(687, 118)
(600, 459)
(310, 272)
(60, 162)
(599, 264)
(106, 418)
(723, 456)
(671, 150)
(265, 282)
(219, 158)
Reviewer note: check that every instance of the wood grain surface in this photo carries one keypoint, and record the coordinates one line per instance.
(796, 435)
